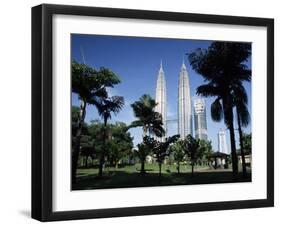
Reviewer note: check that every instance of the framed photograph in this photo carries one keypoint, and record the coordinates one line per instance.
(146, 112)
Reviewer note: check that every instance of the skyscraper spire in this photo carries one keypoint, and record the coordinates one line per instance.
(161, 67)
(183, 64)
(184, 104)
(161, 98)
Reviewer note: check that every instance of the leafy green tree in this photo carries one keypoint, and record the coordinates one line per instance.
(162, 149)
(120, 143)
(206, 148)
(87, 149)
(178, 152)
(223, 66)
(106, 107)
(90, 86)
(193, 151)
(95, 131)
(148, 118)
(143, 150)
(247, 142)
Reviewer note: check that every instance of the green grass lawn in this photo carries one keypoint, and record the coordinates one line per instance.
(129, 176)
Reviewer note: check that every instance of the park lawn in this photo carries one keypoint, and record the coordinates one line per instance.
(129, 176)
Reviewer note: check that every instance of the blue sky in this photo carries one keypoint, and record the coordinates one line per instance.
(136, 61)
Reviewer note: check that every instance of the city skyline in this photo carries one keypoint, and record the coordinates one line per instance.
(136, 61)
(185, 119)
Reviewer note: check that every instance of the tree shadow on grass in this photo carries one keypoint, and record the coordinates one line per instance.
(123, 179)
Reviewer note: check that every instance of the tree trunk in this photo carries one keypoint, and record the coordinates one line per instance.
(192, 169)
(142, 167)
(76, 149)
(233, 150)
(241, 146)
(216, 163)
(178, 168)
(102, 156)
(160, 165)
(86, 162)
(143, 160)
(228, 115)
(144, 132)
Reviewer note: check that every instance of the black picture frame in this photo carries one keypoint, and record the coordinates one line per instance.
(42, 111)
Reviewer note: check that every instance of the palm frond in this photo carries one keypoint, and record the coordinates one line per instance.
(109, 105)
(144, 110)
(144, 106)
(107, 77)
(116, 103)
(217, 110)
(134, 124)
(208, 90)
(157, 130)
(244, 114)
(239, 93)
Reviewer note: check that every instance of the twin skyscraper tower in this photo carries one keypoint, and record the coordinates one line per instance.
(184, 120)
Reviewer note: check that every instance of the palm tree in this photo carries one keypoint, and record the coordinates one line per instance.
(243, 119)
(90, 85)
(105, 107)
(222, 66)
(148, 118)
(150, 121)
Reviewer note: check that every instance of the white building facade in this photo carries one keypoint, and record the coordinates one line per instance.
(200, 120)
(222, 145)
(184, 104)
(161, 99)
